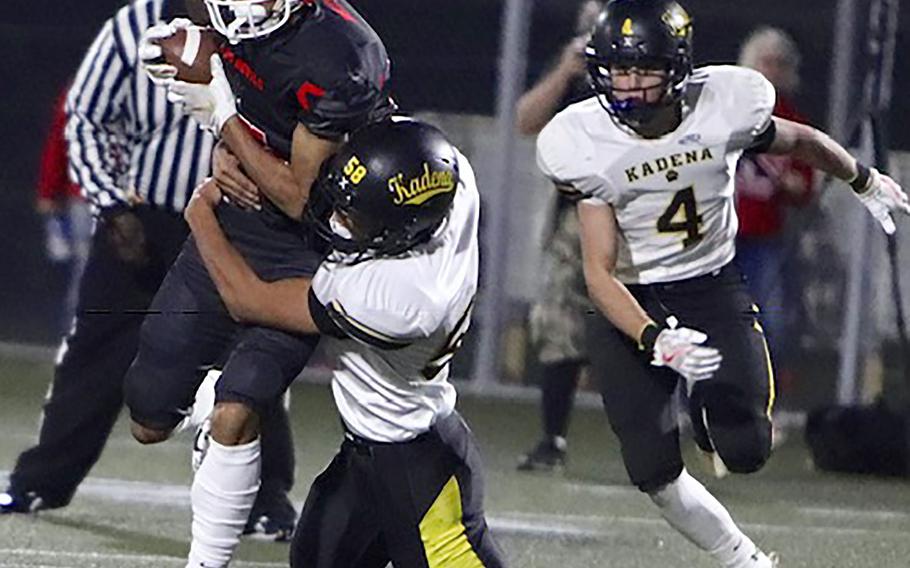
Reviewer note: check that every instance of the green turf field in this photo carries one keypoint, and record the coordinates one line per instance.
(134, 509)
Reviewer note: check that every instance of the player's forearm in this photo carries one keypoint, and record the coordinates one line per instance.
(272, 175)
(615, 301)
(536, 107)
(284, 306)
(814, 148)
(231, 274)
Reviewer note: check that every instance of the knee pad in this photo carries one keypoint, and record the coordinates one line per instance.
(262, 367)
(739, 431)
(252, 379)
(158, 386)
(744, 445)
(747, 457)
(147, 401)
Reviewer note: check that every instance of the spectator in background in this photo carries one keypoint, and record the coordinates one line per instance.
(766, 186)
(138, 158)
(557, 318)
(67, 217)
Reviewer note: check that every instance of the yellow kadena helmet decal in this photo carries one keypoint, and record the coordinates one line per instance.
(393, 183)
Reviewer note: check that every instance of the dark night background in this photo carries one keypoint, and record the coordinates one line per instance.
(444, 58)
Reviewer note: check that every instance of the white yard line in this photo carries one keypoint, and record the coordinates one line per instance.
(552, 528)
(596, 526)
(175, 445)
(138, 492)
(508, 522)
(29, 352)
(33, 553)
(601, 490)
(856, 514)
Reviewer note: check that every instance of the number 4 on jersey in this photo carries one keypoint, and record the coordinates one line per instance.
(682, 217)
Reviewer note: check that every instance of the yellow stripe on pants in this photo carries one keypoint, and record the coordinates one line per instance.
(445, 540)
(771, 389)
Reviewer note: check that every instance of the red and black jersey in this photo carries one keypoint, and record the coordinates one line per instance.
(326, 69)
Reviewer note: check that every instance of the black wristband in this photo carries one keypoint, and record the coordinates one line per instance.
(863, 178)
(649, 337)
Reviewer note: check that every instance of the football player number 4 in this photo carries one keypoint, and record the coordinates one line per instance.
(682, 217)
(451, 346)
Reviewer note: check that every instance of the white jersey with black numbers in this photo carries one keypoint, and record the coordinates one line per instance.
(672, 196)
(403, 319)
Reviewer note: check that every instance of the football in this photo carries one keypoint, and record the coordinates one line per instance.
(189, 50)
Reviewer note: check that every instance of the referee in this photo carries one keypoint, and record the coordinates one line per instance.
(137, 159)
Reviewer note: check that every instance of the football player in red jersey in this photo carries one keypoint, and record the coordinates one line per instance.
(292, 79)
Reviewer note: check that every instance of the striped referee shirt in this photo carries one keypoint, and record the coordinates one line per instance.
(125, 138)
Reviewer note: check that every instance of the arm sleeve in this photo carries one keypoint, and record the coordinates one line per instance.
(96, 126)
(762, 142)
(750, 105)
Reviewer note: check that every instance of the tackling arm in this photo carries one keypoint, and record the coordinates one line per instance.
(286, 185)
(282, 304)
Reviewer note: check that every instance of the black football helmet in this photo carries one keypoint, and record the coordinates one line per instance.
(645, 34)
(392, 185)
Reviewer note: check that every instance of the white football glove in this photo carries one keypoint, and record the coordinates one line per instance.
(884, 197)
(210, 105)
(161, 74)
(681, 349)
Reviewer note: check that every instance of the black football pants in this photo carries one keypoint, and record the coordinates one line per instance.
(190, 329)
(731, 412)
(86, 394)
(416, 504)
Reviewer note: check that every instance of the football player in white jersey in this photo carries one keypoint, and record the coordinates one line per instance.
(392, 301)
(651, 159)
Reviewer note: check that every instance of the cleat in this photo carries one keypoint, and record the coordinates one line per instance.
(549, 455)
(779, 436)
(269, 529)
(714, 464)
(761, 560)
(201, 444)
(14, 502)
(199, 416)
(203, 403)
